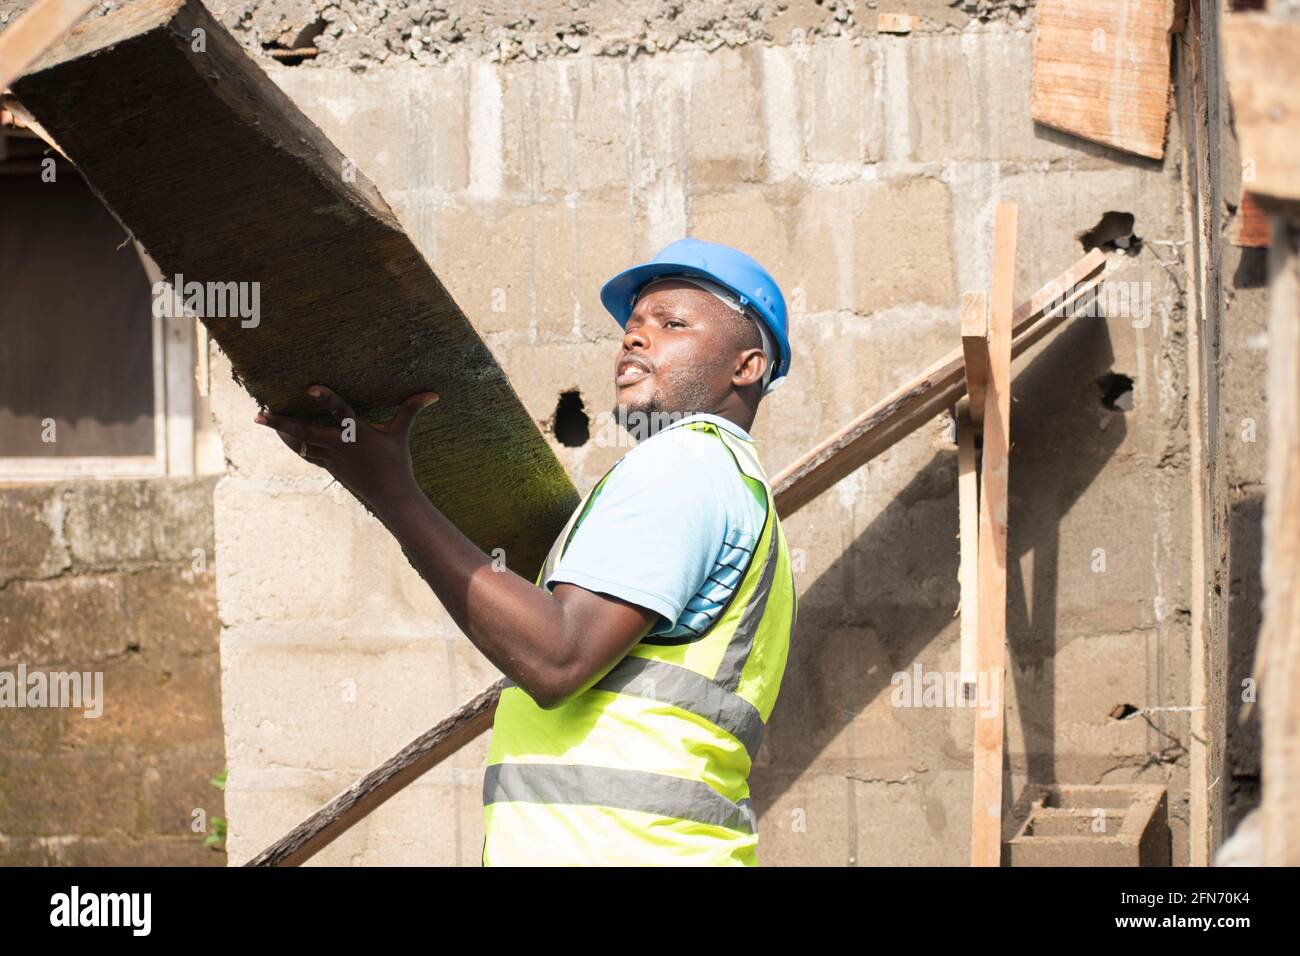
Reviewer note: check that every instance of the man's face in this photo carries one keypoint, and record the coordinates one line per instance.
(676, 357)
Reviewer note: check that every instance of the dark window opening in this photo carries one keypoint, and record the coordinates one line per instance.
(75, 316)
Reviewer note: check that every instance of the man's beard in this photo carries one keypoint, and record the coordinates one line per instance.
(685, 392)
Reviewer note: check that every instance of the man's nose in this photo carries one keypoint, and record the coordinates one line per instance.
(635, 338)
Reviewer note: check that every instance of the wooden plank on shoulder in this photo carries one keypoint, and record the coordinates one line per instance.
(226, 183)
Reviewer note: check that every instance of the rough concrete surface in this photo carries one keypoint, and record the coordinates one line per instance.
(365, 33)
(112, 577)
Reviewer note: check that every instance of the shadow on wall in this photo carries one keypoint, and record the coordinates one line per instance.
(912, 545)
(1245, 603)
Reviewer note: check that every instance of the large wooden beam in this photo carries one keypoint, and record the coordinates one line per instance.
(223, 180)
(848, 449)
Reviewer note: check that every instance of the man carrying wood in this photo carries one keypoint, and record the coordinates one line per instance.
(643, 663)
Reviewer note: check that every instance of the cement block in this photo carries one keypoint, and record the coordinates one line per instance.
(967, 99)
(31, 527)
(158, 520)
(492, 268)
(284, 551)
(76, 619)
(839, 98)
(726, 116)
(902, 245)
(172, 612)
(1092, 826)
(340, 708)
(404, 128)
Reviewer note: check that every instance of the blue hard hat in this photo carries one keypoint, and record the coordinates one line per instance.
(731, 268)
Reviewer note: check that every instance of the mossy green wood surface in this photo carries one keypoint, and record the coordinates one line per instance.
(222, 179)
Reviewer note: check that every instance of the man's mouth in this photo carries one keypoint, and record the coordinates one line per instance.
(629, 373)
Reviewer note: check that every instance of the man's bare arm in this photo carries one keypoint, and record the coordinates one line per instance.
(553, 645)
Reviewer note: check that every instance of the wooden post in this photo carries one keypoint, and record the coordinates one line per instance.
(970, 416)
(986, 817)
(1277, 661)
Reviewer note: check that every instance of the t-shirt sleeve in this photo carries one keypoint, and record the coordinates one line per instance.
(654, 531)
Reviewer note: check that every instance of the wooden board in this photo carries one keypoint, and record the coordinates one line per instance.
(889, 421)
(222, 179)
(1101, 71)
(1249, 226)
(1262, 66)
(990, 652)
(968, 524)
(895, 23)
(1277, 659)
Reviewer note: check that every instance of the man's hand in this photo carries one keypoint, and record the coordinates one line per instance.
(371, 461)
(553, 645)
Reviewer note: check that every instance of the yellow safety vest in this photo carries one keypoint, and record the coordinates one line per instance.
(650, 764)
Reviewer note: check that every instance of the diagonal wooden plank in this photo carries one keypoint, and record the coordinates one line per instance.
(887, 422)
(224, 180)
(913, 404)
(34, 32)
(990, 648)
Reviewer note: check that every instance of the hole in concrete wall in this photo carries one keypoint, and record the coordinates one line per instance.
(302, 48)
(572, 426)
(1113, 232)
(1116, 391)
(1123, 712)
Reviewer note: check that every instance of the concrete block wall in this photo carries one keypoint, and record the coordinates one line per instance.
(113, 577)
(864, 171)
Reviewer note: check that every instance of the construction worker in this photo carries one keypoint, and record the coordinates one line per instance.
(642, 664)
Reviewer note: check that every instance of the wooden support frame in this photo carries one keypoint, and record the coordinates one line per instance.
(990, 656)
(890, 420)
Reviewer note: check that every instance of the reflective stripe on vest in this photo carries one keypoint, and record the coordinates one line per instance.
(650, 763)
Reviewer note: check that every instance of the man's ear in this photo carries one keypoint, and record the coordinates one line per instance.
(750, 366)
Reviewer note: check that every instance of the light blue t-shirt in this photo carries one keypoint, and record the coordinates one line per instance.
(671, 530)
